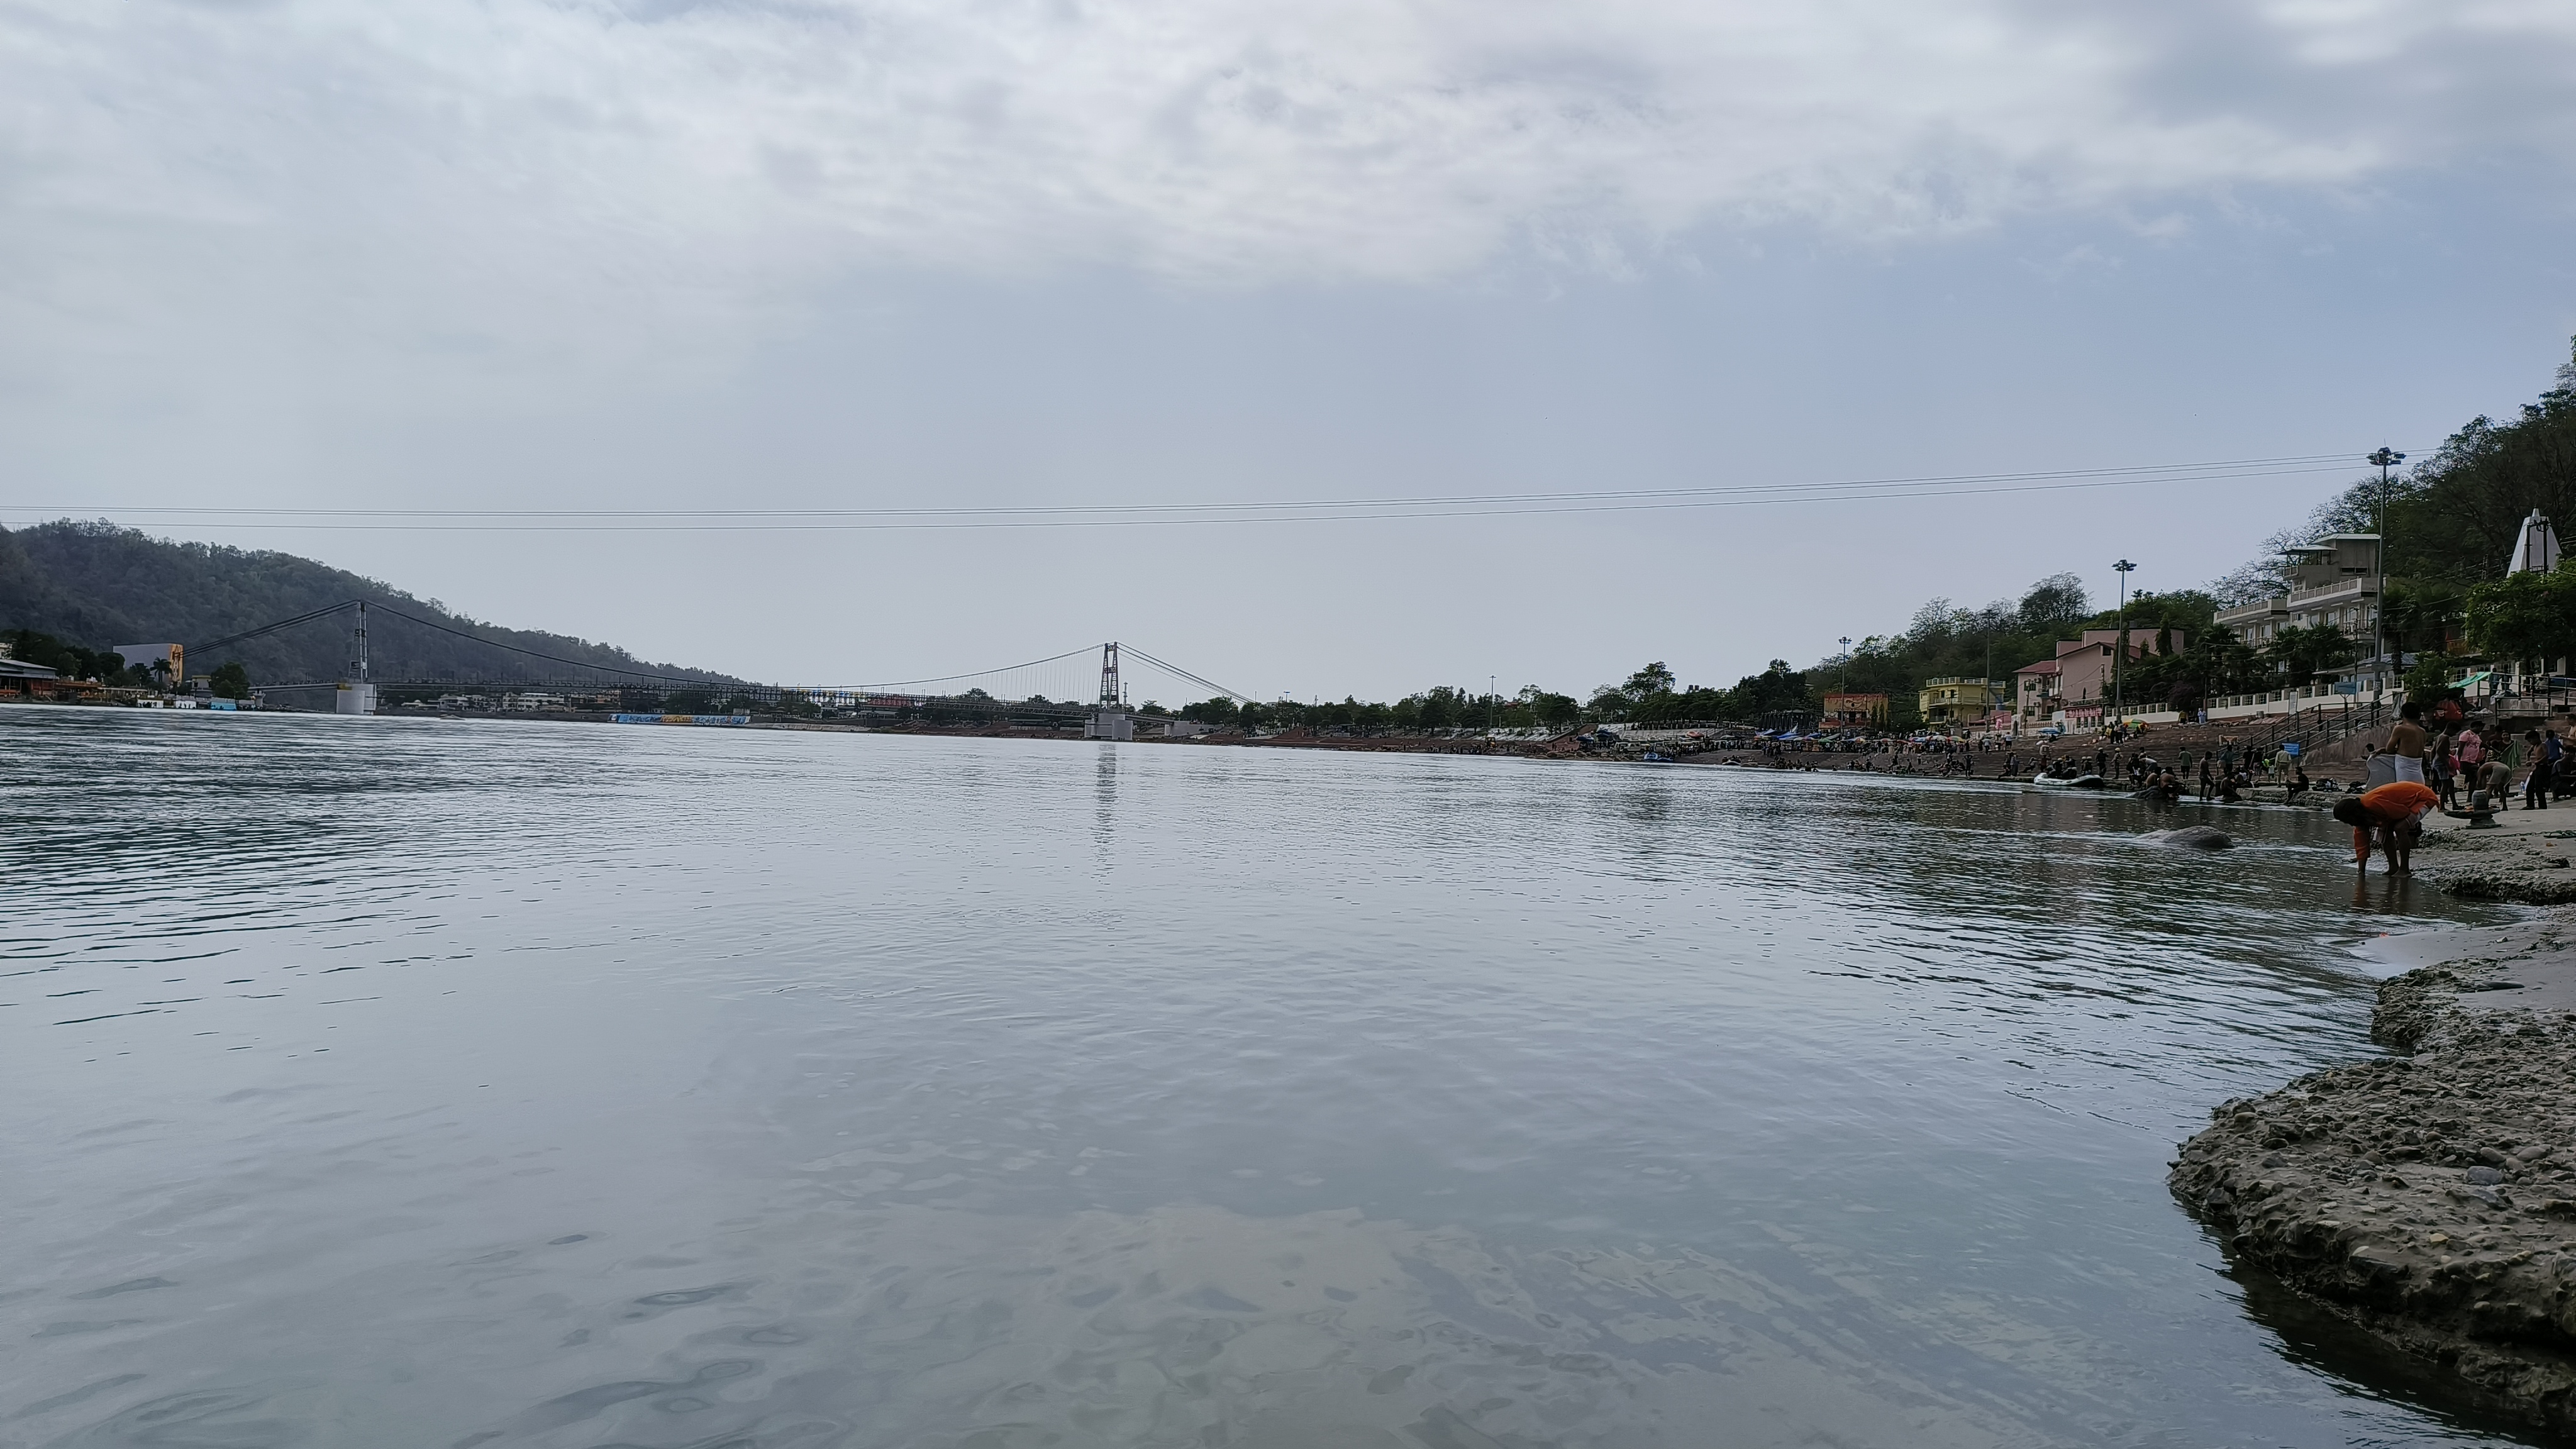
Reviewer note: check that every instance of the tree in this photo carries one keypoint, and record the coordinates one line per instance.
(1554, 711)
(1777, 690)
(2301, 652)
(1652, 680)
(1216, 713)
(230, 681)
(2052, 604)
(2524, 617)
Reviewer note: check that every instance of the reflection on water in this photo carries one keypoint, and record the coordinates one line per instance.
(403, 1083)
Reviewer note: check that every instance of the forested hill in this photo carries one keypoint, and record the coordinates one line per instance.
(96, 586)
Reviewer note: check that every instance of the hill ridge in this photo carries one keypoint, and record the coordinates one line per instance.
(95, 584)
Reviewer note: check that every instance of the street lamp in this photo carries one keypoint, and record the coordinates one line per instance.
(1846, 663)
(2119, 661)
(2385, 459)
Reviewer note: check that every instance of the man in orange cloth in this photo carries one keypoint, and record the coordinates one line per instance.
(2396, 811)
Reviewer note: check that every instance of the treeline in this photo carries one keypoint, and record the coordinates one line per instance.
(2450, 525)
(1650, 696)
(91, 586)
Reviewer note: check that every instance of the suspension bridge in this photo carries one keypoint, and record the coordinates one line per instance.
(1089, 686)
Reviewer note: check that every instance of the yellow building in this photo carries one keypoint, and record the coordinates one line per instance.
(1955, 702)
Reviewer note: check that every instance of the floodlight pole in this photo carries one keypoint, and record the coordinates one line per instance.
(2386, 458)
(2119, 661)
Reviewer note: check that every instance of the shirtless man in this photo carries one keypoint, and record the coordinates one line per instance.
(2396, 813)
(2407, 742)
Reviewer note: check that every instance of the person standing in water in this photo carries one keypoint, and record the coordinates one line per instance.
(2393, 812)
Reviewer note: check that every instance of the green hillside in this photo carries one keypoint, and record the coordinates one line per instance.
(95, 586)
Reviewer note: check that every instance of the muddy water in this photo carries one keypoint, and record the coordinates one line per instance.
(390, 1083)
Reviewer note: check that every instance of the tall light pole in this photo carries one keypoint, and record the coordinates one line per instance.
(2385, 459)
(2120, 661)
(1846, 664)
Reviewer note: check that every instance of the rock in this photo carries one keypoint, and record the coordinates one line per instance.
(2466, 1259)
(2197, 837)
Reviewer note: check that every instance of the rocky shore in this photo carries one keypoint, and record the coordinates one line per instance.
(2430, 1196)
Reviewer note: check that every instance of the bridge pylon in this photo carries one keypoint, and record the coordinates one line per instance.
(1109, 719)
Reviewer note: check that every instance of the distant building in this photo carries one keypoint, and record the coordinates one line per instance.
(1956, 701)
(1854, 711)
(2080, 678)
(147, 655)
(16, 672)
(2334, 581)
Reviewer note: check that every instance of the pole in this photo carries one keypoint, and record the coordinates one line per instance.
(2387, 458)
(1846, 664)
(2120, 660)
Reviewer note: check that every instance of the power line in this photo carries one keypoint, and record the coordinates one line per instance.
(1201, 514)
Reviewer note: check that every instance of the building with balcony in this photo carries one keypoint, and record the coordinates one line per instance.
(1954, 702)
(2082, 678)
(2334, 582)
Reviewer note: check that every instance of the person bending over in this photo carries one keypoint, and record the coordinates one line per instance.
(2395, 813)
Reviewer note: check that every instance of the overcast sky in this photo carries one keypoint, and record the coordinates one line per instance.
(868, 254)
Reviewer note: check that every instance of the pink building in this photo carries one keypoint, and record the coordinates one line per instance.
(2079, 678)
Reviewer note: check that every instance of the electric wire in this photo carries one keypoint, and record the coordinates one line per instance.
(1043, 516)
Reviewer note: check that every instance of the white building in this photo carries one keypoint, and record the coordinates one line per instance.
(2334, 581)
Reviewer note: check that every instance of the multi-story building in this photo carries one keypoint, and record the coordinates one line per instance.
(2082, 677)
(2334, 581)
(1955, 701)
(1845, 710)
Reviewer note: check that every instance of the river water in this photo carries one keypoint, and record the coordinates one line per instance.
(394, 1083)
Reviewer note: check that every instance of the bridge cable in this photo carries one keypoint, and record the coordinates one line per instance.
(1185, 674)
(271, 628)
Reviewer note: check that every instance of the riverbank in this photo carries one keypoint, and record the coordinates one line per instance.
(2429, 1196)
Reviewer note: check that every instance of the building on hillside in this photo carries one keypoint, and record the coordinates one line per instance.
(2334, 581)
(1955, 702)
(147, 655)
(1847, 711)
(2035, 695)
(2081, 679)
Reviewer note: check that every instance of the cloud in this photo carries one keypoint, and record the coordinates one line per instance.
(456, 174)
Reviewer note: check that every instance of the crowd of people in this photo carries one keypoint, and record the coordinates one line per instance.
(2444, 764)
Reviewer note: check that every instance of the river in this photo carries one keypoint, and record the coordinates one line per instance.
(407, 1083)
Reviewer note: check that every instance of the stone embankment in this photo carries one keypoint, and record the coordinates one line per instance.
(2429, 1197)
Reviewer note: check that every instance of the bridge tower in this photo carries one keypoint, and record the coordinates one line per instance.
(358, 692)
(1109, 719)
